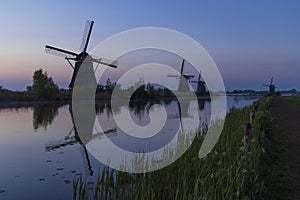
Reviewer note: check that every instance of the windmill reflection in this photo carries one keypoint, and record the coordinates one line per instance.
(73, 138)
(46, 114)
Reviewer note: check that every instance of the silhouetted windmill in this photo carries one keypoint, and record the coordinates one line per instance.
(271, 85)
(200, 85)
(83, 58)
(183, 79)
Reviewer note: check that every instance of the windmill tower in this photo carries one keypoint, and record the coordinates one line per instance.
(82, 59)
(200, 85)
(183, 85)
(271, 86)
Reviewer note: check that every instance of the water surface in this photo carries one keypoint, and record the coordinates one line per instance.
(41, 154)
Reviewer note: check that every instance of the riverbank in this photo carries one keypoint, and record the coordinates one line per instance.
(233, 170)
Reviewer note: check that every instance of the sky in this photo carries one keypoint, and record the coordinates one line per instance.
(250, 41)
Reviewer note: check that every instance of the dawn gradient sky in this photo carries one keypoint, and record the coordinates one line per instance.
(250, 41)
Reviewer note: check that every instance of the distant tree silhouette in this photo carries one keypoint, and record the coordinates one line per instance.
(152, 93)
(43, 86)
(29, 88)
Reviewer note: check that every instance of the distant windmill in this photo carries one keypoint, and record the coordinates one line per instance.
(183, 79)
(200, 85)
(82, 59)
(271, 85)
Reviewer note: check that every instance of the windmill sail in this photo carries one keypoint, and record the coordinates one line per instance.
(59, 52)
(104, 61)
(271, 80)
(86, 35)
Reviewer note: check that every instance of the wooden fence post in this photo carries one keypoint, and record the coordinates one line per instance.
(247, 135)
(252, 115)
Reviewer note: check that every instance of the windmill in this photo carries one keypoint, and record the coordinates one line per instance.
(200, 85)
(183, 79)
(271, 85)
(82, 59)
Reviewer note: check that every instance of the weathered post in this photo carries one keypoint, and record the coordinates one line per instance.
(252, 115)
(247, 135)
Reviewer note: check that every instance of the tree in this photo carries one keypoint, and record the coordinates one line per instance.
(29, 88)
(151, 90)
(100, 88)
(43, 86)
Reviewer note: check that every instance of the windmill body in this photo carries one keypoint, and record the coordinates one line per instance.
(88, 68)
(183, 85)
(200, 86)
(271, 86)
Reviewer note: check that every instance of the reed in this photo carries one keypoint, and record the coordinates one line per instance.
(228, 172)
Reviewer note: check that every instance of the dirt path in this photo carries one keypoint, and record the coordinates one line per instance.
(283, 176)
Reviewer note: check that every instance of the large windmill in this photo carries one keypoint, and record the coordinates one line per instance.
(200, 85)
(271, 85)
(82, 59)
(183, 79)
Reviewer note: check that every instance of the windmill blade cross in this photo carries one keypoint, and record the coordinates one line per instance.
(104, 61)
(59, 52)
(188, 76)
(182, 65)
(199, 76)
(176, 76)
(271, 80)
(86, 35)
(113, 64)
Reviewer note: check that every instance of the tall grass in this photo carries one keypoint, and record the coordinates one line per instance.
(230, 171)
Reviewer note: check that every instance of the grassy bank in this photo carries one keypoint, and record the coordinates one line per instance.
(228, 172)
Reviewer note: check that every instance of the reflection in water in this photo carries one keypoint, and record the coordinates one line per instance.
(138, 107)
(44, 114)
(201, 103)
(139, 112)
(73, 138)
(181, 117)
(239, 101)
(43, 162)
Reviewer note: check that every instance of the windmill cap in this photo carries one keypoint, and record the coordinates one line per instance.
(82, 56)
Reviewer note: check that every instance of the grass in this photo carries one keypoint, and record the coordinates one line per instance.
(228, 172)
(294, 100)
(279, 158)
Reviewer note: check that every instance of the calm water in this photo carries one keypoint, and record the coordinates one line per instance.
(41, 155)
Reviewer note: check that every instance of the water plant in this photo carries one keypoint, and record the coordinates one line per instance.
(230, 171)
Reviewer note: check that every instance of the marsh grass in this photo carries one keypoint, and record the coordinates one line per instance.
(228, 172)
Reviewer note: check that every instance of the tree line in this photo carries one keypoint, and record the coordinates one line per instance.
(44, 88)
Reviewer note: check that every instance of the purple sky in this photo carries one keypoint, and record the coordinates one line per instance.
(250, 41)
